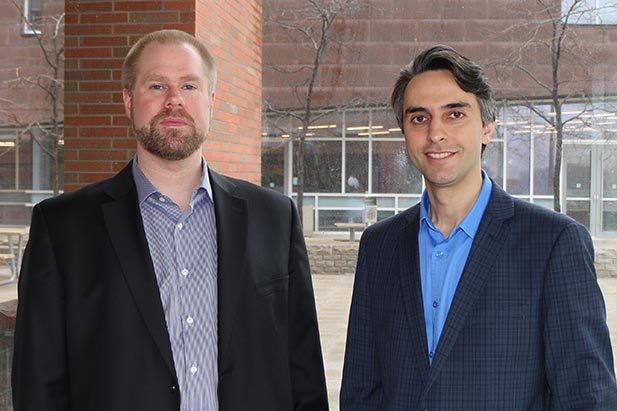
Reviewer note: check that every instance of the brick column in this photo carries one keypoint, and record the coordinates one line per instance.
(98, 36)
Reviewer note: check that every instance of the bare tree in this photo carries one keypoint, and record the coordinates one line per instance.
(551, 28)
(313, 26)
(47, 132)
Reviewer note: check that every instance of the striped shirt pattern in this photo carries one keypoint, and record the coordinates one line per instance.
(184, 253)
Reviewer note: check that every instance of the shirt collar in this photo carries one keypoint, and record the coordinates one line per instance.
(471, 222)
(145, 188)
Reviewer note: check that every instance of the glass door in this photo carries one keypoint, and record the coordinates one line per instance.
(576, 183)
(590, 187)
(608, 192)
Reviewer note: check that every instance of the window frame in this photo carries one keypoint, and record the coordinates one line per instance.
(32, 25)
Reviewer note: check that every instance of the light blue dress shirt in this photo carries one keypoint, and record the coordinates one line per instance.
(183, 248)
(442, 261)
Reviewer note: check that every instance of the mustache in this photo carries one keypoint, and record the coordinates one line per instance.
(169, 112)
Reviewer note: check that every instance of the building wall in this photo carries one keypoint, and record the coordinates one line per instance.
(373, 40)
(21, 102)
(98, 36)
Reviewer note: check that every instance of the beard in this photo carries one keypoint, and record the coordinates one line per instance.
(170, 143)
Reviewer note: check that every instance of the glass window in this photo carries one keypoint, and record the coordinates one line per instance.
(273, 164)
(609, 171)
(33, 16)
(578, 210)
(8, 148)
(590, 11)
(578, 172)
(356, 166)
(492, 161)
(357, 124)
(384, 124)
(392, 170)
(328, 126)
(26, 157)
(328, 219)
(518, 162)
(609, 215)
(322, 167)
(543, 164)
(609, 192)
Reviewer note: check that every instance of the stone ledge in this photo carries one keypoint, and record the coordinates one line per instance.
(339, 257)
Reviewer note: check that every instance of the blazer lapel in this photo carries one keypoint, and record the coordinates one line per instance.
(484, 251)
(231, 227)
(125, 227)
(412, 289)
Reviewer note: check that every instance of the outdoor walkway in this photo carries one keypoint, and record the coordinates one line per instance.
(333, 295)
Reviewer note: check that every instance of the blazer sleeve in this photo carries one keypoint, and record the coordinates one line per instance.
(361, 388)
(39, 374)
(578, 355)
(306, 361)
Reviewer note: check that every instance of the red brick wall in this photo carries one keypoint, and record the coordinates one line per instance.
(232, 29)
(98, 36)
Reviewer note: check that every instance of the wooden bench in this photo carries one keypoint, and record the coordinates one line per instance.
(352, 227)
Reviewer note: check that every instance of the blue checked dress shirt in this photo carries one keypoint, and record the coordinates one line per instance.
(184, 254)
(442, 261)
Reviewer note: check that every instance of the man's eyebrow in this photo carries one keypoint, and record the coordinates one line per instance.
(156, 77)
(458, 104)
(415, 109)
(448, 106)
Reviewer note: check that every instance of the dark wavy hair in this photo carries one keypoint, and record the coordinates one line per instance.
(468, 75)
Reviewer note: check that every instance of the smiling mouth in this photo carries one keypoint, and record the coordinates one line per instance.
(439, 155)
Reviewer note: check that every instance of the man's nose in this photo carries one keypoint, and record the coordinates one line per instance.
(174, 98)
(436, 131)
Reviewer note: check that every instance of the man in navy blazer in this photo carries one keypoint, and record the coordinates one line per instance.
(169, 286)
(472, 299)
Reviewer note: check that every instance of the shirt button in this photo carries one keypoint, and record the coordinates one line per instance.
(184, 272)
(430, 354)
(162, 199)
(435, 304)
(193, 369)
(180, 225)
(189, 320)
(439, 254)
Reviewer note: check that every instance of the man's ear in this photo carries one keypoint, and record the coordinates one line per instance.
(128, 101)
(487, 132)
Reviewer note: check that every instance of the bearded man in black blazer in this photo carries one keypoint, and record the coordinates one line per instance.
(168, 286)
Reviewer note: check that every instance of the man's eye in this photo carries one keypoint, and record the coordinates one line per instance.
(457, 114)
(156, 87)
(190, 87)
(418, 119)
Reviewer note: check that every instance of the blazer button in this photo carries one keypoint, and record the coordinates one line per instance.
(174, 389)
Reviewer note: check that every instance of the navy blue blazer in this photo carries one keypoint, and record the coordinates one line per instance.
(526, 330)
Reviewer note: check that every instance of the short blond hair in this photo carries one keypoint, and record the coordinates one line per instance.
(129, 67)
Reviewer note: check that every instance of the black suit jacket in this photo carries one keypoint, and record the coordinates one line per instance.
(526, 329)
(91, 332)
